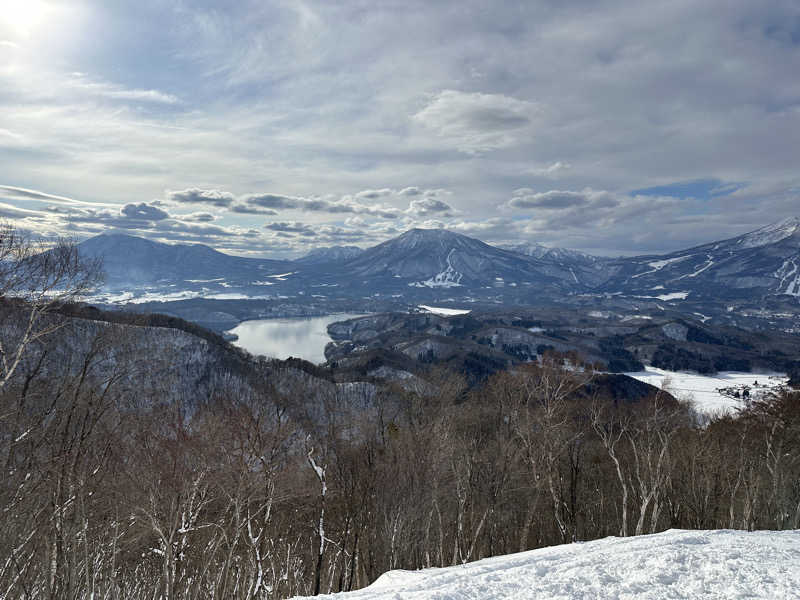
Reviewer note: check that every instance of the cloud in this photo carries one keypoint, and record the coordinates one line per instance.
(494, 229)
(410, 191)
(272, 201)
(81, 82)
(293, 227)
(374, 194)
(199, 217)
(321, 205)
(271, 204)
(474, 122)
(553, 199)
(143, 211)
(141, 96)
(246, 209)
(423, 207)
(200, 196)
(18, 193)
(551, 169)
(7, 211)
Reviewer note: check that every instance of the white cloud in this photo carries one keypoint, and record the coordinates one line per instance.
(551, 170)
(423, 207)
(476, 122)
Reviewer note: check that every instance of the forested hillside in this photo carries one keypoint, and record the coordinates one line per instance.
(139, 462)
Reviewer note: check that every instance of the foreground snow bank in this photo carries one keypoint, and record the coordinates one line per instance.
(674, 564)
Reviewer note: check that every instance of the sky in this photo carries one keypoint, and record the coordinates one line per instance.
(268, 128)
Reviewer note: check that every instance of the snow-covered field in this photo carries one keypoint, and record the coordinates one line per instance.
(673, 564)
(712, 394)
(444, 312)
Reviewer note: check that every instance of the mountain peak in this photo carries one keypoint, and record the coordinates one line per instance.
(771, 234)
(421, 233)
(789, 223)
(414, 238)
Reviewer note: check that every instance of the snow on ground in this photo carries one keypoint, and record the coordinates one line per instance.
(660, 264)
(667, 297)
(444, 312)
(674, 564)
(711, 394)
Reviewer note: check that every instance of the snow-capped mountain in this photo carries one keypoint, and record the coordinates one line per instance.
(437, 258)
(329, 254)
(763, 262)
(428, 263)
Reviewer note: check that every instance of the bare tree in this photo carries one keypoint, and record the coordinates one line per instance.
(35, 278)
(544, 427)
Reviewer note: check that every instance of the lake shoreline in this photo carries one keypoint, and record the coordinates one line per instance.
(284, 337)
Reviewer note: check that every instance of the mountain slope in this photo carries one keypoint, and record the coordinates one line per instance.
(329, 254)
(437, 258)
(763, 262)
(672, 564)
(130, 260)
(537, 250)
(436, 264)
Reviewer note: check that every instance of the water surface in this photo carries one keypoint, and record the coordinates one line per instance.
(303, 337)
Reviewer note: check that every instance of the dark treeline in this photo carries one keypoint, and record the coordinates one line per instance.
(109, 491)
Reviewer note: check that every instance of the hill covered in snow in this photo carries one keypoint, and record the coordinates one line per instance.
(673, 564)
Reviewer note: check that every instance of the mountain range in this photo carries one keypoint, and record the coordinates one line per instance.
(435, 264)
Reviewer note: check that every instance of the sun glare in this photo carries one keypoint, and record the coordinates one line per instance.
(22, 16)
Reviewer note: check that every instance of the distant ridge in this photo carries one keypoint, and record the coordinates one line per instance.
(429, 263)
(328, 254)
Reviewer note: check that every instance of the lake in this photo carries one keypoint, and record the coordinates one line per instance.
(302, 337)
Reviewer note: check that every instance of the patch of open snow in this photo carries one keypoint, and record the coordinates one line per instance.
(634, 317)
(673, 296)
(444, 312)
(673, 564)
(204, 280)
(667, 297)
(711, 394)
(446, 279)
(660, 264)
(235, 296)
(790, 278)
(575, 277)
(156, 297)
(279, 276)
(111, 298)
(703, 268)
